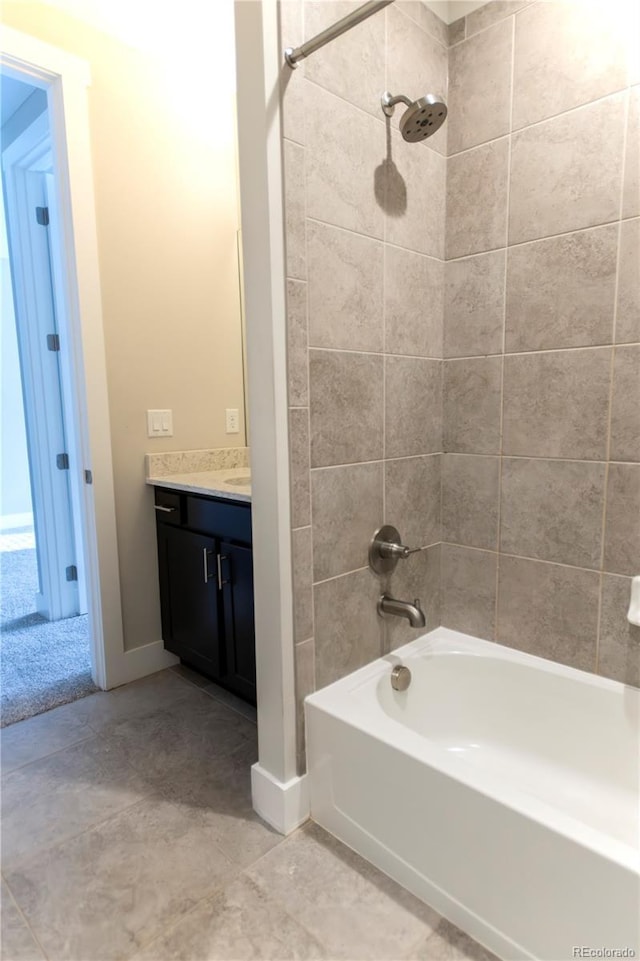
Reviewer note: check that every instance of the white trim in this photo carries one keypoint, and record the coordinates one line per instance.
(65, 78)
(285, 806)
(141, 661)
(260, 164)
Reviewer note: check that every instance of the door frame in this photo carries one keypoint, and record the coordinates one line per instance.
(44, 377)
(65, 79)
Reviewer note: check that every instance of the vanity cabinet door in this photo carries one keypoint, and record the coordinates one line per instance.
(189, 597)
(240, 646)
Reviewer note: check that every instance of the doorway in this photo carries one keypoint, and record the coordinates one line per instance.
(44, 632)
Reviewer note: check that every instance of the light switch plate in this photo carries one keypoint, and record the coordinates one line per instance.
(233, 420)
(160, 423)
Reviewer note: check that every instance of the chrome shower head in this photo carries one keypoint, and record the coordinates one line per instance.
(422, 118)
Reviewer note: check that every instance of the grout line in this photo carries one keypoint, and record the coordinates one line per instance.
(538, 123)
(378, 460)
(529, 353)
(561, 460)
(377, 240)
(527, 557)
(23, 916)
(375, 353)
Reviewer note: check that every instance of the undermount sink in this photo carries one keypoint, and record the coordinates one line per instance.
(239, 481)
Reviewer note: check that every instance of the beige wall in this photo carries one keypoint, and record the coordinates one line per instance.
(519, 476)
(541, 479)
(163, 143)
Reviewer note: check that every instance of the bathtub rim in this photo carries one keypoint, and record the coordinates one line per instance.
(336, 699)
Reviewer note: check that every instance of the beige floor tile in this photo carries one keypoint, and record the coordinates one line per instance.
(183, 736)
(106, 708)
(39, 736)
(17, 943)
(57, 797)
(350, 907)
(109, 891)
(242, 922)
(449, 943)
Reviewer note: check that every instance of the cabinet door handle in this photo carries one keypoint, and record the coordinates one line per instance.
(205, 564)
(221, 582)
(166, 510)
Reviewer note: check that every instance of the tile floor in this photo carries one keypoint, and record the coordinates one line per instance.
(128, 833)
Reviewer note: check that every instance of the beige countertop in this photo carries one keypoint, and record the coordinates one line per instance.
(214, 483)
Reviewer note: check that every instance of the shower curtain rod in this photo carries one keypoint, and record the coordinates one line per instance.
(341, 26)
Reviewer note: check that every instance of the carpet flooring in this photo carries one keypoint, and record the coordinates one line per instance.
(42, 663)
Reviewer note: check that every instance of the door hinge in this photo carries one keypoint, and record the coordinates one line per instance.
(62, 462)
(53, 342)
(72, 573)
(88, 477)
(42, 216)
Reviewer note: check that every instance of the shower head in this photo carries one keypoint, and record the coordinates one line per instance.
(422, 118)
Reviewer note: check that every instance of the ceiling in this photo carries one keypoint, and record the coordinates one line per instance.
(450, 10)
(13, 94)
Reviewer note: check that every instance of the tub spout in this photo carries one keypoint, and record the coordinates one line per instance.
(413, 612)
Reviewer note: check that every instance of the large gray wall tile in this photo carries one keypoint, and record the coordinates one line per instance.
(474, 305)
(480, 87)
(292, 88)
(425, 18)
(566, 54)
(17, 941)
(299, 457)
(294, 206)
(491, 12)
(305, 681)
(556, 404)
(413, 406)
(345, 289)
(477, 200)
(413, 181)
(302, 584)
(414, 308)
(552, 510)
(625, 412)
(349, 632)
(468, 599)
(566, 172)
(619, 645)
(631, 187)
(561, 291)
(412, 498)
(353, 65)
(628, 312)
(549, 611)
(622, 528)
(417, 577)
(471, 405)
(344, 146)
(347, 505)
(416, 64)
(346, 407)
(470, 492)
(297, 358)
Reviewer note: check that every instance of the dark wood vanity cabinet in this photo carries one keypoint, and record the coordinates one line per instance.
(206, 586)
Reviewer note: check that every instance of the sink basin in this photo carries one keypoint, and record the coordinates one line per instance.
(239, 481)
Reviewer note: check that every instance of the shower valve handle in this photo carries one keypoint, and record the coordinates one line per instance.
(391, 549)
(386, 549)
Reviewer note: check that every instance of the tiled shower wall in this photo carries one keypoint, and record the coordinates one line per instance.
(529, 473)
(365, 278)
(541, 475)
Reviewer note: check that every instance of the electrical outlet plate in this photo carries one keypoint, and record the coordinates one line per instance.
(160, 423)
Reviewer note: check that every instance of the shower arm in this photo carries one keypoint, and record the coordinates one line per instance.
(292, 56)
(388, 103)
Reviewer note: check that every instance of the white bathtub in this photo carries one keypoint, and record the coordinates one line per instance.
(502, 789)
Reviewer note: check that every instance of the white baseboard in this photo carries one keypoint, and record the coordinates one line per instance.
(140, 661)
(282, 804)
